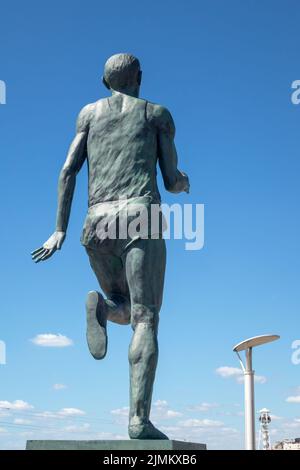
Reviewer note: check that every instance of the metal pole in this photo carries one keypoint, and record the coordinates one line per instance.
(249, 403)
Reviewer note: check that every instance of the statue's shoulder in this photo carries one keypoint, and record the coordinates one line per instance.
(159, 115)
(88, 108)
(85, 115)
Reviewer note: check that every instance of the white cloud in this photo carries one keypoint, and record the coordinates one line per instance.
(52, 341)
(63, 413)
(201, 423)
(173, 414)
(161, 410)
(229, 430)
(59, 386)
(295, 423)
(234, 372)
(226, 372)
(15, 405)
(71, 412)
(26, 434)
(121, 411)
(160, 403)
(3, 430)
(275, 417)
(293, 399)
(22, 421)
(204, 406)
(260, 379)
(75, 428)
(170, 429)
(47, 414)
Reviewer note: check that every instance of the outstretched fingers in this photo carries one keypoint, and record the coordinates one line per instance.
(39, 256)
(46, 255)
(37, 251)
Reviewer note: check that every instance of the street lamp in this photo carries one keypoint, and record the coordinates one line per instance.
(247, 346)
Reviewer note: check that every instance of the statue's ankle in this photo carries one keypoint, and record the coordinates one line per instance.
(137, 421)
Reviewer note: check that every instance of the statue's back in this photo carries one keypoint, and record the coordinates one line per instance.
(122, 150)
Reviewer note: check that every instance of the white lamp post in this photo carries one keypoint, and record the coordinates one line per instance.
(247, 346)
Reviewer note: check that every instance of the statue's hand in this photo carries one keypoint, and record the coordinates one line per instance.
(49, 247)
(186, 182)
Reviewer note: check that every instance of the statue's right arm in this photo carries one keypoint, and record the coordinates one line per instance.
(66, 185)
(175, 180)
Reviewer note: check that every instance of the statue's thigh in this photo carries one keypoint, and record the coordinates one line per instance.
(145, 272)
(110, 272)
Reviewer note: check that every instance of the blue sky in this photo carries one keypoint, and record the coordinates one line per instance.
(224, 70)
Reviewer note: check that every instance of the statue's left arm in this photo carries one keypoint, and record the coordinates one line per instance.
(66, 185)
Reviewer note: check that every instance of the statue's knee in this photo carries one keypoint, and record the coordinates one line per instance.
(144, 314)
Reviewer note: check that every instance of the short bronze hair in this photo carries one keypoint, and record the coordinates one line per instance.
(121, 71)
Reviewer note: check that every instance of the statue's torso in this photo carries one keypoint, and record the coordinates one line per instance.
(122, 151)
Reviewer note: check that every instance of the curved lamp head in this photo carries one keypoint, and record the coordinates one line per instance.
(255, 341)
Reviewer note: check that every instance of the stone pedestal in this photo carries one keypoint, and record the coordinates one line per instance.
(115, 445)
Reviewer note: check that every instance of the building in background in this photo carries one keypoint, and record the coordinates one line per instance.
(288, 444)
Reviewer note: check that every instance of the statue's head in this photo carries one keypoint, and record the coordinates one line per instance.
(122, 72)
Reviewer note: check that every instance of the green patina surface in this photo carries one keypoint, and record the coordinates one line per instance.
(123, 139)
(133, 444)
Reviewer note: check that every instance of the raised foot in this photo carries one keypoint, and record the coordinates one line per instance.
(145, 431)
(96, 325)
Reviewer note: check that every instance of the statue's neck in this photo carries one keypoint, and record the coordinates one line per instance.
(134, 92)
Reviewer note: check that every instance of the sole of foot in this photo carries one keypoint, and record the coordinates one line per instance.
(96, 325)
